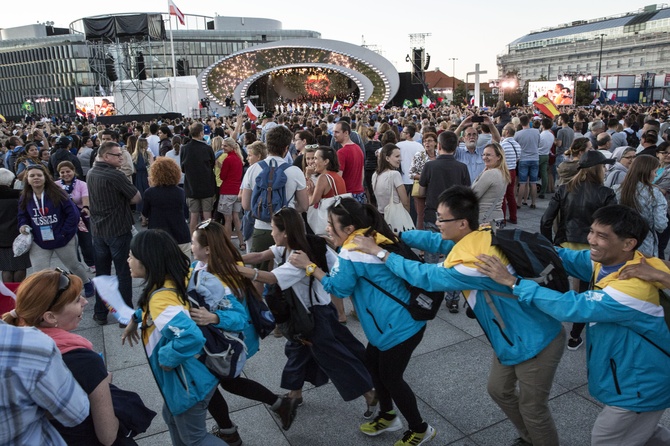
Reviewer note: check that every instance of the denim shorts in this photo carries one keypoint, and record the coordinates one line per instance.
(527, 169)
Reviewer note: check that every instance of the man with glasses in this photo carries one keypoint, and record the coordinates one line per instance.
(528, 343)
(111, 195)
(467, 152)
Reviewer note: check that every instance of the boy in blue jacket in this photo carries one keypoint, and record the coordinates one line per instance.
(628, 342)
(528, 344)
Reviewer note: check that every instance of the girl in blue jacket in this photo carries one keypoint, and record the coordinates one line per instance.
(171, 339)
(392, 333)
(225, 289)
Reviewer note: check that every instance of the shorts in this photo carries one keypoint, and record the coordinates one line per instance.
(229, 204)
(197, 205)
(527, 169)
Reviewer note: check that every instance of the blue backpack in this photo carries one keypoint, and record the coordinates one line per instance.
(269, 194)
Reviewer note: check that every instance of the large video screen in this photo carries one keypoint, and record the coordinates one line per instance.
(95, 106)
(560, 92)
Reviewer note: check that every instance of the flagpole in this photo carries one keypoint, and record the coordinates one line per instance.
(174, 64)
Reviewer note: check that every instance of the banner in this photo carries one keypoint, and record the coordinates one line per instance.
(560, 92)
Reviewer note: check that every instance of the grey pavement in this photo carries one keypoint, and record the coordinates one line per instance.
(448, 374)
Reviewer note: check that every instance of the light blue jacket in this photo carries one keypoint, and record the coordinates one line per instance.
(516, 333)
(385, 322)
(625, 332)
(233, 315)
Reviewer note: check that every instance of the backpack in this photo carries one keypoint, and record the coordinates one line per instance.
(269, 193)
(260, 315)
(632, 139)
(423, 305)
(533, 257)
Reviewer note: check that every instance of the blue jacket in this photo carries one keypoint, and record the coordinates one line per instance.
(385, 323)
(516, 332)
(233, 315)
(63, 220)
(173, 340)
(625, 369)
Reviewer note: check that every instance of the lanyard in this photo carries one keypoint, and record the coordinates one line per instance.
(41, 209)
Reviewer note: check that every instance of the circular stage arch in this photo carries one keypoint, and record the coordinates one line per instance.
(375, 77)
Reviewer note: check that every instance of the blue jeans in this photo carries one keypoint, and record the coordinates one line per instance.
(189, 428)
(108, 250)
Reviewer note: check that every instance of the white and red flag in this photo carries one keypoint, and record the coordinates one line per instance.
(252, 111)
(176, 12)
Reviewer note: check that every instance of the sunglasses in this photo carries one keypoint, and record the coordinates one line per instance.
(338, 203)
(63, 285)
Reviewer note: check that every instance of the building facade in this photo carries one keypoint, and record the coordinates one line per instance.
(630, 44)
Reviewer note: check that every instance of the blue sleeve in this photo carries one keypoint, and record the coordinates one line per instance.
(24, 215)
(427, 241)
(184, 341)
(71, 213)
(342, 283)
(590, 306)
(577, 263)
(435, 277)
(233, 318)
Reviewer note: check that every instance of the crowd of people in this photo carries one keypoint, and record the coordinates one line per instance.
(202, 194)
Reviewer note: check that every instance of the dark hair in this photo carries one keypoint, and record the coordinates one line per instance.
(625, 222)
(163, 260)
(153, 128)
(278, 139)
(351, 212)
(344, 125)
(223, 259)
(329, 154)
(524, 120)
(462, 203)
(448, 141)
(578, 145)
(166, 130)
(382, 164)
(289, 221)
(307, 136)
(638, 173)
(112, 133)
(55, 193)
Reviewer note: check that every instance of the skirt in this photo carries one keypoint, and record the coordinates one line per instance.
(10, 263)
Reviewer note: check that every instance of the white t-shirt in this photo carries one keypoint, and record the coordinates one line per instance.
(295, 182)
(154, 144)
(289, 276)
(407, 151)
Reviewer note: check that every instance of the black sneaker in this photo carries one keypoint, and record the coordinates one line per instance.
(287, 410)
(453, 306)
(574, 344)
(100, 320)
(521, 442)
(299, 400)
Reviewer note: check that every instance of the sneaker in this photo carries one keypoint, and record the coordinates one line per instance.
(230, 436)
(371, 409)
(100, 320)
(453, 306)
(89, 290)
(411, 438)
(574, 344)
(521, 442)
(299, 400)
(380, 425)
(287, 410)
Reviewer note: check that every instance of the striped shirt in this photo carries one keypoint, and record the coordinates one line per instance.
(512, 152)
(35, 381)
(109, 193)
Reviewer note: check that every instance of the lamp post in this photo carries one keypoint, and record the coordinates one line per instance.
(600, 57)
(453, 77)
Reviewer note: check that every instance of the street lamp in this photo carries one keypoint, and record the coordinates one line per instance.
(600, 57)
(453, 77)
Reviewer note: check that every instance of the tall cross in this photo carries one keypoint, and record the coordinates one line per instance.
(476, 73)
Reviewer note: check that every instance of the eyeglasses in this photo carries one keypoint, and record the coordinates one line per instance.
(633, 156)
(447, 220)
(63, 285)
(118, 155)
(204, 224)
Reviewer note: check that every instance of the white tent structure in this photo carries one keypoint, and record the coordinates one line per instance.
(156, 95)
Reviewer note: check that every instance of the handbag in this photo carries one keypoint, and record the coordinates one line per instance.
(317, 218)
(397, 216)
(416, 189)
(134, 417)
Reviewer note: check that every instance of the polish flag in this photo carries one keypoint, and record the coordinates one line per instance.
(252, 111)
(176, 12)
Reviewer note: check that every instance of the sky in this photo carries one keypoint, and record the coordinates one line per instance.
(471, 32)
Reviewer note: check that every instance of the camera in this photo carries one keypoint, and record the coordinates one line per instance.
(477, 119)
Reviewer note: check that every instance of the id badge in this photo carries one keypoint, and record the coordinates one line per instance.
(47, 233)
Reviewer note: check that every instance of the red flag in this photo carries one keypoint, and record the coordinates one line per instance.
(251, 111)
(176, 12)
(546, 106)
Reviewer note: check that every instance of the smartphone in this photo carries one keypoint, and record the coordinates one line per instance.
(477, 119)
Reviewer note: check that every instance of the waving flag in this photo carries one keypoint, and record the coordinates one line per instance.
(176, 12)
(252, 111)
(546, 106)
(335, 105)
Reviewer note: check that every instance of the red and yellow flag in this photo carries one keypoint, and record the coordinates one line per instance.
(546, 106)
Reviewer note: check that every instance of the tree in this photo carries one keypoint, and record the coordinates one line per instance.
(460, 94)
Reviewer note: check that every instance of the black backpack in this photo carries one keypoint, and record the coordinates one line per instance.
(632, 139)
(423, 305)
(533, 257)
